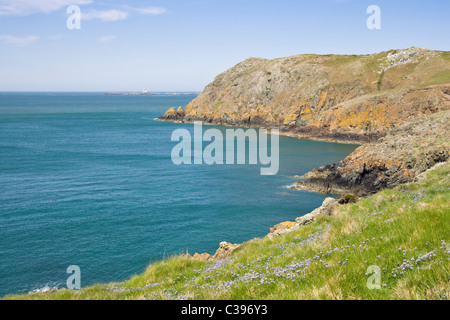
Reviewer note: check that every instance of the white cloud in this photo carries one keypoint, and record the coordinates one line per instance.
(106, 15)
(56, 37)
(107, 38)
(18, 40)
(151, 10)
(27, 7)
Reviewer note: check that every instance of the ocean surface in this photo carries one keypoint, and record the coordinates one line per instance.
(87, 179)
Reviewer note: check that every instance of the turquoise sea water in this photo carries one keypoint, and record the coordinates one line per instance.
(87, 179)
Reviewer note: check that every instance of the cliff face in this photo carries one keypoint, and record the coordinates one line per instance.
(396, 103)
(399, 157)
(348, 98)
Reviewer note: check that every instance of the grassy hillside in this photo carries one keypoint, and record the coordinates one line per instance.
(404, 231)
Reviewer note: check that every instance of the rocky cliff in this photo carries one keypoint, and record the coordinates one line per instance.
(346, 98)
(341, 98)
(400, 156)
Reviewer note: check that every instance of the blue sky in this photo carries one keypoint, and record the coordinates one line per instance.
(181, 45)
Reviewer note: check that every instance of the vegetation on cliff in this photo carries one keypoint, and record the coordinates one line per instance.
(401, 233)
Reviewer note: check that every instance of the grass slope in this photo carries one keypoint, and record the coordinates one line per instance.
(403, 231)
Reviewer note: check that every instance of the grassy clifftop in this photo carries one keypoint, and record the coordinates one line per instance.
(403, 233)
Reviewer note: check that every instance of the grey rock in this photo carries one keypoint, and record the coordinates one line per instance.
(327, 208)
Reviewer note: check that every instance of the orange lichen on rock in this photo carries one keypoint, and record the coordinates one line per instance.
(282, 226)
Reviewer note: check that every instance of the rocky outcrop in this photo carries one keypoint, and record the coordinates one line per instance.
(327, 208)
(224, 251)
(347, 198)
(346, 98)
(282, 228)
(173, 115)
(396, 158)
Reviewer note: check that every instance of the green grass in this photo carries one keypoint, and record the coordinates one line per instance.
(446, 55)
(217, 104)
(380, 81)
(403, 231)
(374, 62)
(341, 59)
(440, 77)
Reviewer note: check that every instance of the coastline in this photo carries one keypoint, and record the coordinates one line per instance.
(288, 131)
(327, 207)
(282, 132)
(360, 174)
(325, 259)
(380, 161)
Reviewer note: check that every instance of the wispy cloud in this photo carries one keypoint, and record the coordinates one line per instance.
(120, 14)
(154, 11)
(56, 37)
(27, 7)
(105, 15)
(107, 38)
(9, 39)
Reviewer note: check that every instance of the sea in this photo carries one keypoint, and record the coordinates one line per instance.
(87, 179)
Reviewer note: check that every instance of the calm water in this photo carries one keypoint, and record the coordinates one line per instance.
(86, 179)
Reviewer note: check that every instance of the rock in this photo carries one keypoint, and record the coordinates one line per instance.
(282, 228)
(306, 219)
(348, 198)
(423, 175)
(180, 112)
(224, 251)
(48, 291)
(328, 201)
(326, 208)
(171, 114)
(399, 157)
(202, 257)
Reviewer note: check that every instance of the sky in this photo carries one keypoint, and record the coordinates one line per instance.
(181, 45)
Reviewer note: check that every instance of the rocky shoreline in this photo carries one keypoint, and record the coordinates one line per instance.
(226, 248)
(401, 156)
(397, 158)
(309, 132)
(395, 104)
(328, 207)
